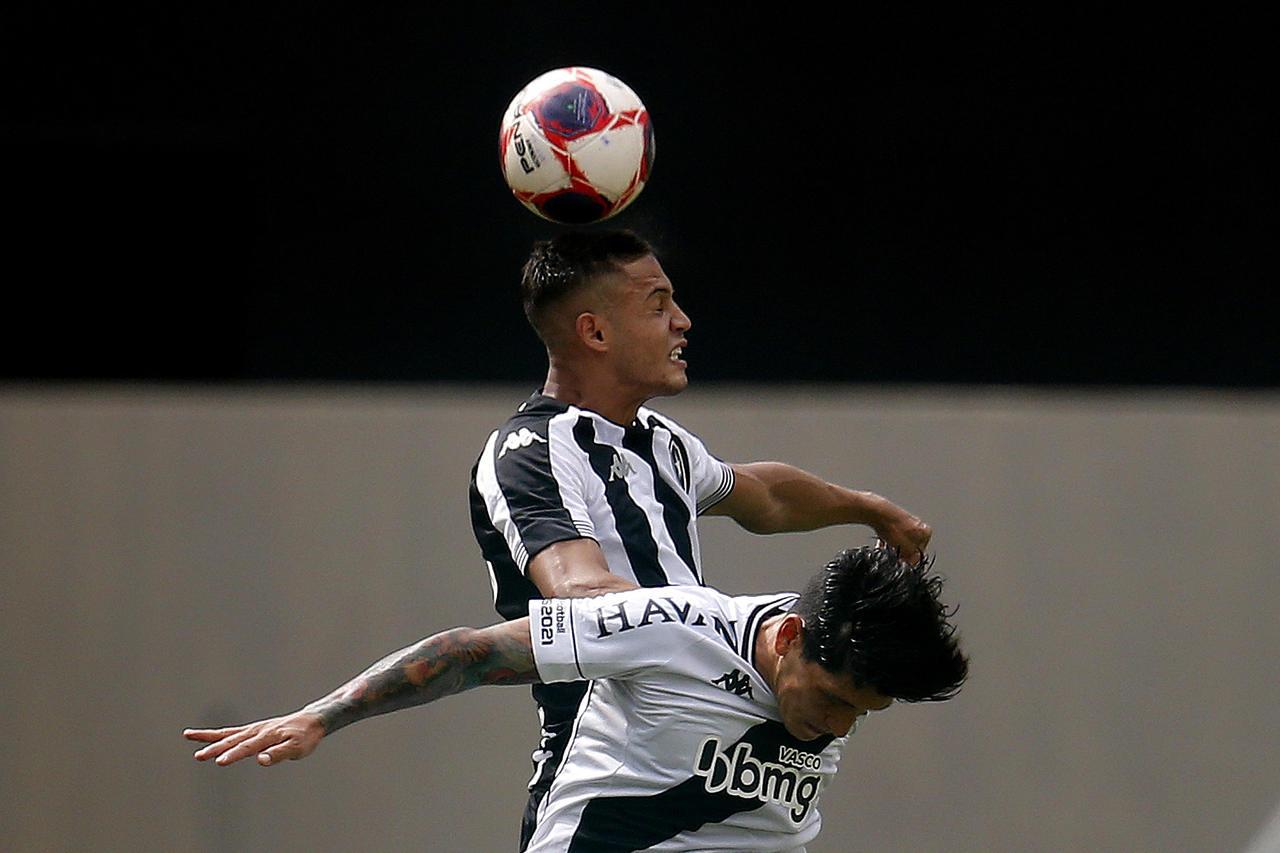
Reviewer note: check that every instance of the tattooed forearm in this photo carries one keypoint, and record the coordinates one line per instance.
(441, 665)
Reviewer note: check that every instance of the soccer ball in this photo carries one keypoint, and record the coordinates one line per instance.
(576, 145)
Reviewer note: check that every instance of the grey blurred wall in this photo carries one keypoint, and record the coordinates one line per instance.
(176, 557)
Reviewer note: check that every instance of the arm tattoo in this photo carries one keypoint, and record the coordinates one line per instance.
(441, 665)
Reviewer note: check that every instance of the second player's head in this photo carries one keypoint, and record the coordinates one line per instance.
(600, 300)
(869, 628)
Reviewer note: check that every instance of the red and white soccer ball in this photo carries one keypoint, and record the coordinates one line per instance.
(577, 145)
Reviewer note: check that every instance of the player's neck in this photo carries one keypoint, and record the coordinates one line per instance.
(766, 655)
(577, 389)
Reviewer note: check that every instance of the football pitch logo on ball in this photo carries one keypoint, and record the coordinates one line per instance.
(576, 145)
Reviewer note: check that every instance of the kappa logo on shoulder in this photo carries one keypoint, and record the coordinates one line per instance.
(736, 682)
(520, 438)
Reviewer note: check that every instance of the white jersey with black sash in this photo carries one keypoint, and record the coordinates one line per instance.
(678, 744)
(555, 472)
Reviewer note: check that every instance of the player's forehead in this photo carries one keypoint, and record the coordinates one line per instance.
(643, 276)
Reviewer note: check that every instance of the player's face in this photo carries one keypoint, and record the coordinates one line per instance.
(647, 331)
(815, 702)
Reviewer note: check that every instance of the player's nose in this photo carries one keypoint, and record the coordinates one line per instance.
(679, 320)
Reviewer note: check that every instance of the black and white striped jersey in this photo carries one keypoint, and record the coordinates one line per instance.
(555, 472)
(678, 743)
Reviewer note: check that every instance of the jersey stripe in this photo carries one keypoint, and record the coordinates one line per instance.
(574, 632)
(633, 524)
(558, 706)
(675, 513)
(721, 492)
(680, 460)
(522, 467)
(566, 743)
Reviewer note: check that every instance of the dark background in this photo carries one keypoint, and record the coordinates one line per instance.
(301, 194)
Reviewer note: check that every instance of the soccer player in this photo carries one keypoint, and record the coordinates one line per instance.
(584, 490)
(713, 722)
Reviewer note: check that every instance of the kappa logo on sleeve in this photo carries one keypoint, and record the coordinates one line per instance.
(522, 437)
(736, 682)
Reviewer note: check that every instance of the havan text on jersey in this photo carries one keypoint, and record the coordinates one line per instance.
(629, 615)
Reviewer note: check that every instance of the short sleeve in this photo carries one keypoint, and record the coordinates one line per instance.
(533, 490)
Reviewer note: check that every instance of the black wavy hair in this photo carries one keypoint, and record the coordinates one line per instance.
(559, 267)
(879, 618)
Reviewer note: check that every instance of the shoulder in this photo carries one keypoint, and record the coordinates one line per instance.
(751, 611)
(532, 423)
(684, 437)
(653, 419)
(535, 414)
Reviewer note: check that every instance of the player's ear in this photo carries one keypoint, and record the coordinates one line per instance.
(592, 331)
(790, 632)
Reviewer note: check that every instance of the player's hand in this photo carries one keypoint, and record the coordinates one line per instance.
(905, 532)
(289, 737)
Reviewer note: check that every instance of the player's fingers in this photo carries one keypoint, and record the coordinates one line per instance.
(216, 749)
(213, 750)
(286, 751)
(885, 542)
(209, 735)
(907, 550)
(250, 746)
(921, 533)
(232, 755)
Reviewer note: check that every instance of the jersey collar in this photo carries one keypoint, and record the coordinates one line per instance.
(763, 610)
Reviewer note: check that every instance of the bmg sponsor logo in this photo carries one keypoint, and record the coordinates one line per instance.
(743, 775)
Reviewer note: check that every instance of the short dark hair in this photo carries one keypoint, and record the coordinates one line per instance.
(559, 267)
(877, 617)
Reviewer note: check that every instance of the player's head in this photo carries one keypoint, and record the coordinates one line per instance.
(602, 296)
(869, 628)
(571, 264)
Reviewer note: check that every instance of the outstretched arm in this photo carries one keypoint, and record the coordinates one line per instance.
(772, 497)
(441, 665)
